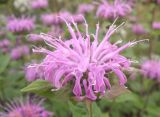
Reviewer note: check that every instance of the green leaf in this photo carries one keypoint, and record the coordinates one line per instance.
(153, 111)
(11, 36)
(130, 97)
(4, 62)
(93, 108)
(116, 91)
(126, 97)
(136, 86)
(96, 110)
(60, 107)
(38, 85)
(78, 110)
(155, 32)
(105, 115)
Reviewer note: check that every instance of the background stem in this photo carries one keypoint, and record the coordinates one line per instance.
(151, 42)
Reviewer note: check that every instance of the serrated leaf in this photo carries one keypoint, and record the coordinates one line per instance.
(38, 85)
(116, 91)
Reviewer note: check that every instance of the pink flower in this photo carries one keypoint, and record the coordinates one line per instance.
(111, 11)
(30, 74)
(4, 43)
(156, 25)
(149, 71)
(50, 19)
(28, 108)
(56, 31)
(64, 14)
(122, 8)
(77, 18)
(19, 51)
(158, 1)
(85, 8)
(84, 62)
(17, 25)
(69, 17)
(38, 4)
(138, 29)
(2, 33)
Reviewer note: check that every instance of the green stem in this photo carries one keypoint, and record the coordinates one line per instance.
(89, 107)
(150, 48)
(151, 44)
(90, 110)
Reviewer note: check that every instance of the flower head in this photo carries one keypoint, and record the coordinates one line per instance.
(19, 51)
(69, 17)
(112, 10)
(30, 74)
(156, 25)
(27, 108)
(50, 19)
(148, 71)
(78, 18)
(84, 62)
(4, 43)
(56, 31)
(38, 4)
(85, 8)
(17, 25)
(138, 29)
(158, 1)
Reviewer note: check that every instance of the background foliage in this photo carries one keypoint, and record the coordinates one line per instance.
(140, 99)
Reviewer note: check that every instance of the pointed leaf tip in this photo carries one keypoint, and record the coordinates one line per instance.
(37, 85)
